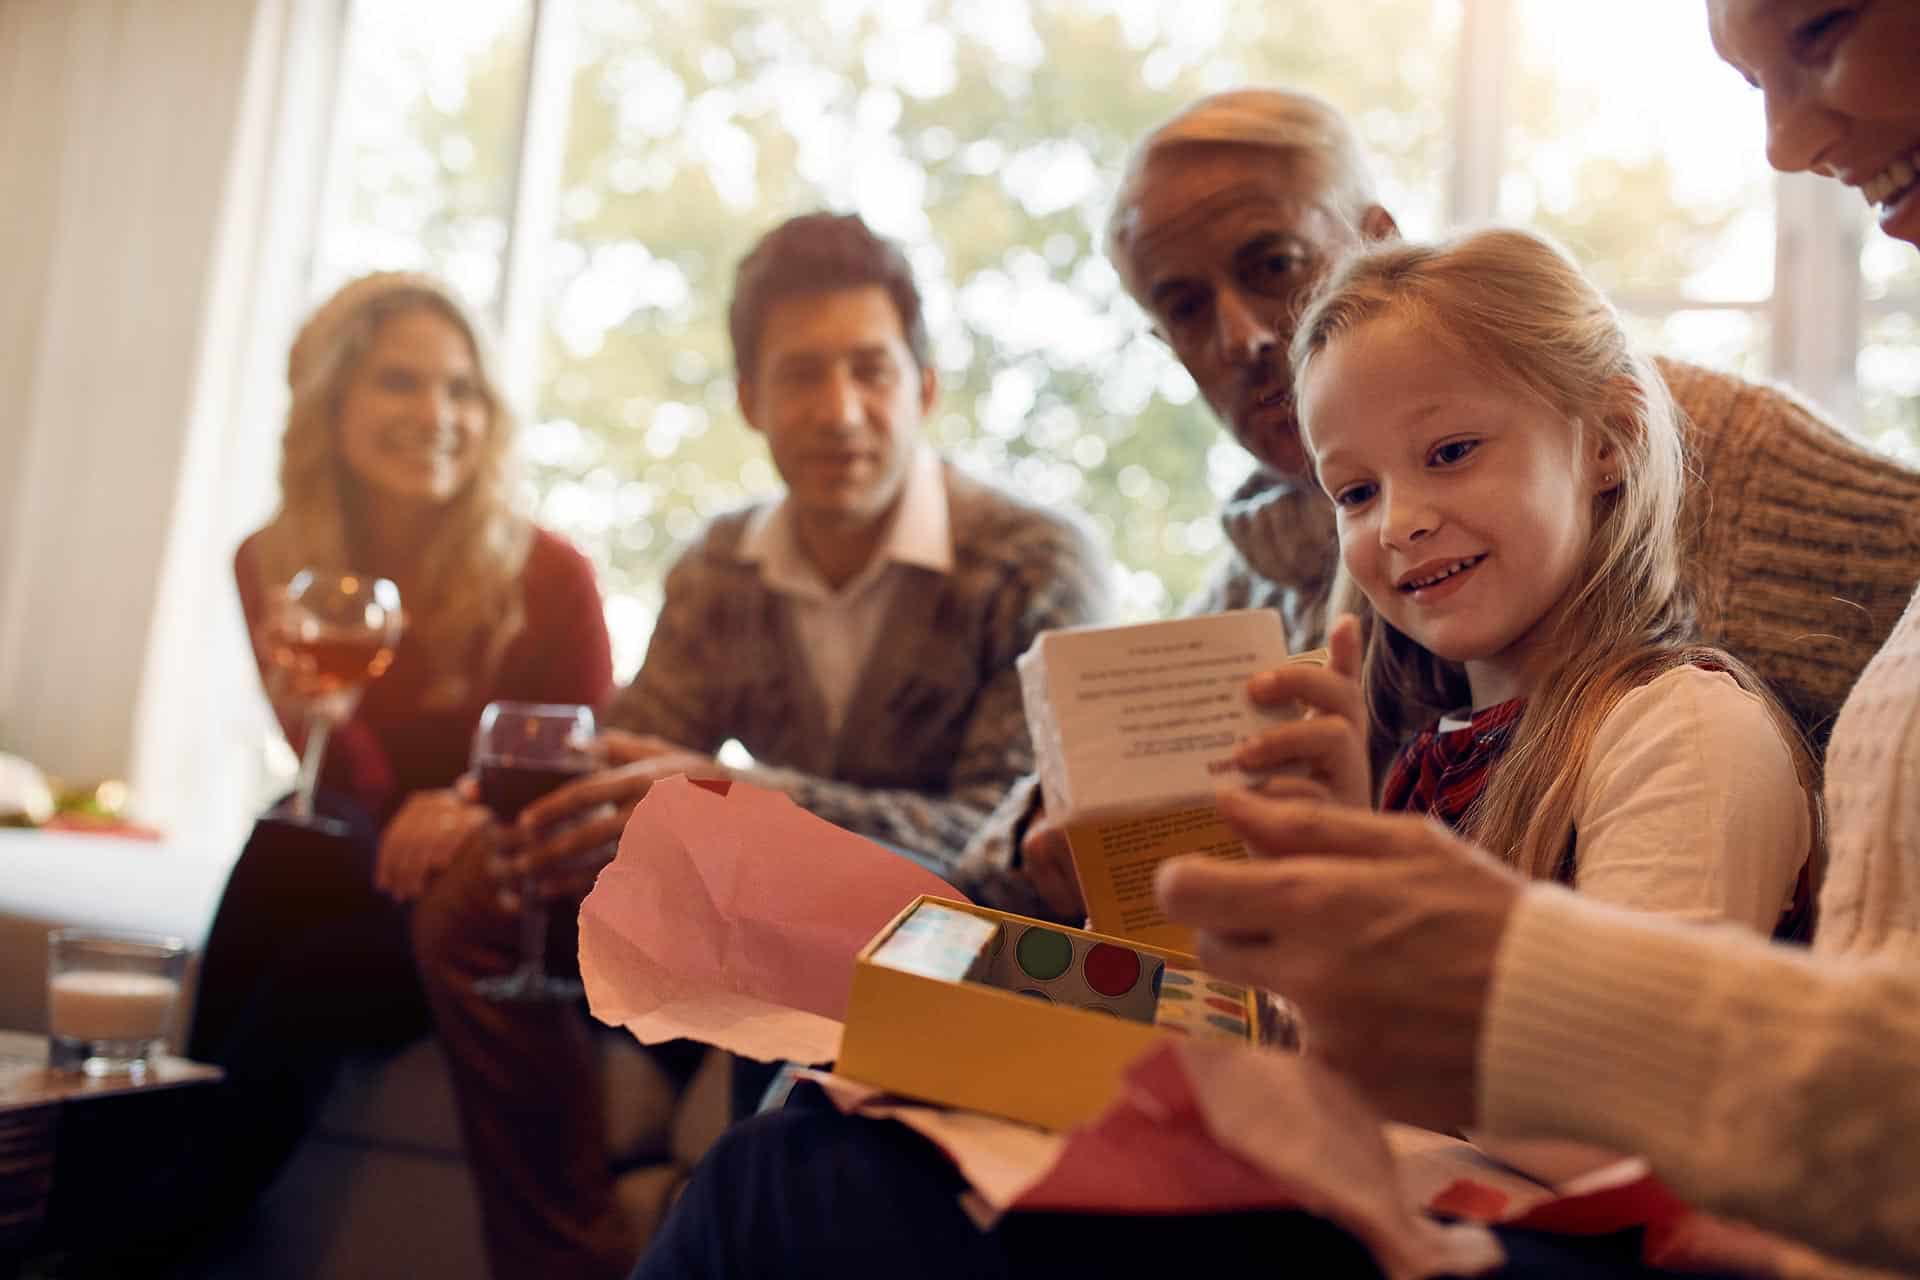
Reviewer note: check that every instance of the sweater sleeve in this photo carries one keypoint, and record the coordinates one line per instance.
(994, 753)
(680, 693)
(1065, 587)
(1690, 806)
(1758, 1081)
(568, 624)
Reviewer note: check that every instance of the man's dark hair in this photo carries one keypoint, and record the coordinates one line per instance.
(819, 253)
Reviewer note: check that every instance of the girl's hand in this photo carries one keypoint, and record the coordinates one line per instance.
(1323, 754)
(428, 832)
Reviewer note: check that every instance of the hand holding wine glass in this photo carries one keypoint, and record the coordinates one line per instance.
(522, 751)
(566, 837)
(329, 634)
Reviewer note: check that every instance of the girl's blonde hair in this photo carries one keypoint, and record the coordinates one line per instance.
(466, 607)
(1519, 311)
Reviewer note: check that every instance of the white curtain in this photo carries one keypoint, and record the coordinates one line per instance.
(162, 164)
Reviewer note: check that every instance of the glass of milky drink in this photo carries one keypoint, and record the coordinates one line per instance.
(110, 999)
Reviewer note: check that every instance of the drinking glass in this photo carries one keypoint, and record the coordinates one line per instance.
(521, 751)
(110, 999)
(329, 634)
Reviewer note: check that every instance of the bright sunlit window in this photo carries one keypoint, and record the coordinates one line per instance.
(591, 170)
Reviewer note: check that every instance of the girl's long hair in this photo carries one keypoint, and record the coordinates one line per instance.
(1520, 312)
(466, 607)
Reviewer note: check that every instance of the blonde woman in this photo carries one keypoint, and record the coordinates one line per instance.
(397, 461)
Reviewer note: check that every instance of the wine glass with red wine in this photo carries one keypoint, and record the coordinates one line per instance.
(521, 751)
(329, 635)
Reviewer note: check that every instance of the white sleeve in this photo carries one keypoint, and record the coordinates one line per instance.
(1689, 804)
(1758, 1080)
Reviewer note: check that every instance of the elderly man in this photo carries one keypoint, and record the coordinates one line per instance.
(1805, 546)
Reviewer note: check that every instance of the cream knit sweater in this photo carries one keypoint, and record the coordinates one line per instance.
(1761, 1081)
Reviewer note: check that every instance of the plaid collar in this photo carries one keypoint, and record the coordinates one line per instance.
(1441, 772)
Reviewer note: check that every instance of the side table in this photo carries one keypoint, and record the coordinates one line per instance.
(33, 1104)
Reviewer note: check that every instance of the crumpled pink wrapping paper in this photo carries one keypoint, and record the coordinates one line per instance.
(1203, 1128)
(734, 918)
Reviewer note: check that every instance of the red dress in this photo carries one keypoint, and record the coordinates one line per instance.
(392, 747)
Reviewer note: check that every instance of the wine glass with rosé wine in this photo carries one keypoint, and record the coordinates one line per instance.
(522, 751)
(329, 635)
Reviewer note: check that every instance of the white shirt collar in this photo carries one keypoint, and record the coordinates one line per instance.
(921, 534)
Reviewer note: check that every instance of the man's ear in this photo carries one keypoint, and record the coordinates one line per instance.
(929, 389)
(749, 403)
(1377, 224)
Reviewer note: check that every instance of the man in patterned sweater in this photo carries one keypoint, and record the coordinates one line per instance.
(858, 637)
(1804, 546)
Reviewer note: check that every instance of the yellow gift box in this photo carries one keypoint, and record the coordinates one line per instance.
(1028, 1020)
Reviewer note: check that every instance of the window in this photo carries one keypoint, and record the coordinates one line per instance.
(592, 170)
(431, 99)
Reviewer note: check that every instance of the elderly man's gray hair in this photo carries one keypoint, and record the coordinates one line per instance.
(1269, 119)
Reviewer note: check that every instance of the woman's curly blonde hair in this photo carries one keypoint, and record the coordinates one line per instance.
(466, 606)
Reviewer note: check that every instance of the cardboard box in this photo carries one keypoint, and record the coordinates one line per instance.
(1028, 1020)
(970, 1007)
(1133, 729)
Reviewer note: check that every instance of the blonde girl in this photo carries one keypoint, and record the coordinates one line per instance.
(1507, 472)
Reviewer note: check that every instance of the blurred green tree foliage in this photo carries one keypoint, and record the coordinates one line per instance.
(986, 135)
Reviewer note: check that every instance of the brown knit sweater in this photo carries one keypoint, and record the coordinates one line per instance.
(1804, 547)
(935, 733)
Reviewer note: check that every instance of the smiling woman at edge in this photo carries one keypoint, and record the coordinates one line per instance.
(397, 461)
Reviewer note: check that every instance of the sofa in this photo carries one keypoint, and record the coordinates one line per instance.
(380, 1187)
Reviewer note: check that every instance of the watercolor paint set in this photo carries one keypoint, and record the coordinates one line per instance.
(961, 1005)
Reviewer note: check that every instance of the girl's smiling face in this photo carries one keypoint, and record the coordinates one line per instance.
(1465, 506)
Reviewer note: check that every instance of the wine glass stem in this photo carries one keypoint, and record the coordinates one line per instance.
(318, 727)
(533, 932)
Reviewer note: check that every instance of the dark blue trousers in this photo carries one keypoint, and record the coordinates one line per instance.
(807, 1192)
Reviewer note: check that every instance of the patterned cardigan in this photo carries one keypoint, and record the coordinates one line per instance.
(935, 732)
(1802, 550)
